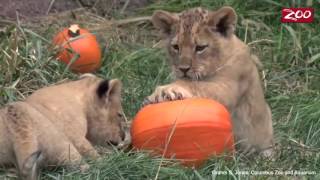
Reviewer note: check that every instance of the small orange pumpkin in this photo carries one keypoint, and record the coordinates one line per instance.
(75, 40)
(190, 130)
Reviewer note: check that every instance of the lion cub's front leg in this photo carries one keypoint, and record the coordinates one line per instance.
(85, 148)
(168, 92)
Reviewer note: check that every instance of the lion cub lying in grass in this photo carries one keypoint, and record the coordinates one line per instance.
(210, 61)
(57, 125)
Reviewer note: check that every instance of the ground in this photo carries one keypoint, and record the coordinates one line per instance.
(14, 9)
(290, 54)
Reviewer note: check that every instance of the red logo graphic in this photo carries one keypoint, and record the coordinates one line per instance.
(297, 15)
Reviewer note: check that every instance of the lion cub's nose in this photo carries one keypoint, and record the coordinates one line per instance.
(184, 69)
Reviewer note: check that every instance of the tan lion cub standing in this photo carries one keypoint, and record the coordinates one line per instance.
(57, 125)
(210, 61)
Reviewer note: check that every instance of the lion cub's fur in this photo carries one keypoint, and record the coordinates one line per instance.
(58, 125)
(210, 61)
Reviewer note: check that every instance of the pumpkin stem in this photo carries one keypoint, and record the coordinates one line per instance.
(74, 30)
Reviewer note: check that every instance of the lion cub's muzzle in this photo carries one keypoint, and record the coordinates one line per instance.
(125, 138)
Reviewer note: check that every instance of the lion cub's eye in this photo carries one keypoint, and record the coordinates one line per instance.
(175, 47)
(120, 115)
(200, 48)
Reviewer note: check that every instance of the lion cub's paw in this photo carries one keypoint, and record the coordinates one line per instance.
(268, 153)
(84, 168)
(167, 93)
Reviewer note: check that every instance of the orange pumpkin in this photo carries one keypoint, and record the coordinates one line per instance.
(75, 41)
(189, 130)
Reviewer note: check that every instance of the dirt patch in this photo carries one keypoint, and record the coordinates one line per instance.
(35, 8)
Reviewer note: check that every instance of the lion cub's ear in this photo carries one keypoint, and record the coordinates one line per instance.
(223, 20)
(164, 21)
(109, 89)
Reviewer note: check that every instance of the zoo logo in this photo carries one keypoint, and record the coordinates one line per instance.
(297, 15)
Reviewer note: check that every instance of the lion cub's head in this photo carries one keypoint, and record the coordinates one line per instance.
(104, 111)
(197, 39)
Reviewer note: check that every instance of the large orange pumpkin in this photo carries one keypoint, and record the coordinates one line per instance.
(189, 130)
(79, 46)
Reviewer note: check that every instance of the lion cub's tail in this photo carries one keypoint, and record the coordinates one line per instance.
(30, 169)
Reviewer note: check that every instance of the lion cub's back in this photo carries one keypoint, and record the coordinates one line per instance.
(5, 146)
(64, 106)
(62, 93)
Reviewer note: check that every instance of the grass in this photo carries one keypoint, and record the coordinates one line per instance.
(291, 74)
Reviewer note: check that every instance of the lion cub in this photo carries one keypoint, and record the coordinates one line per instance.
(210, 61)
(58, 125)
